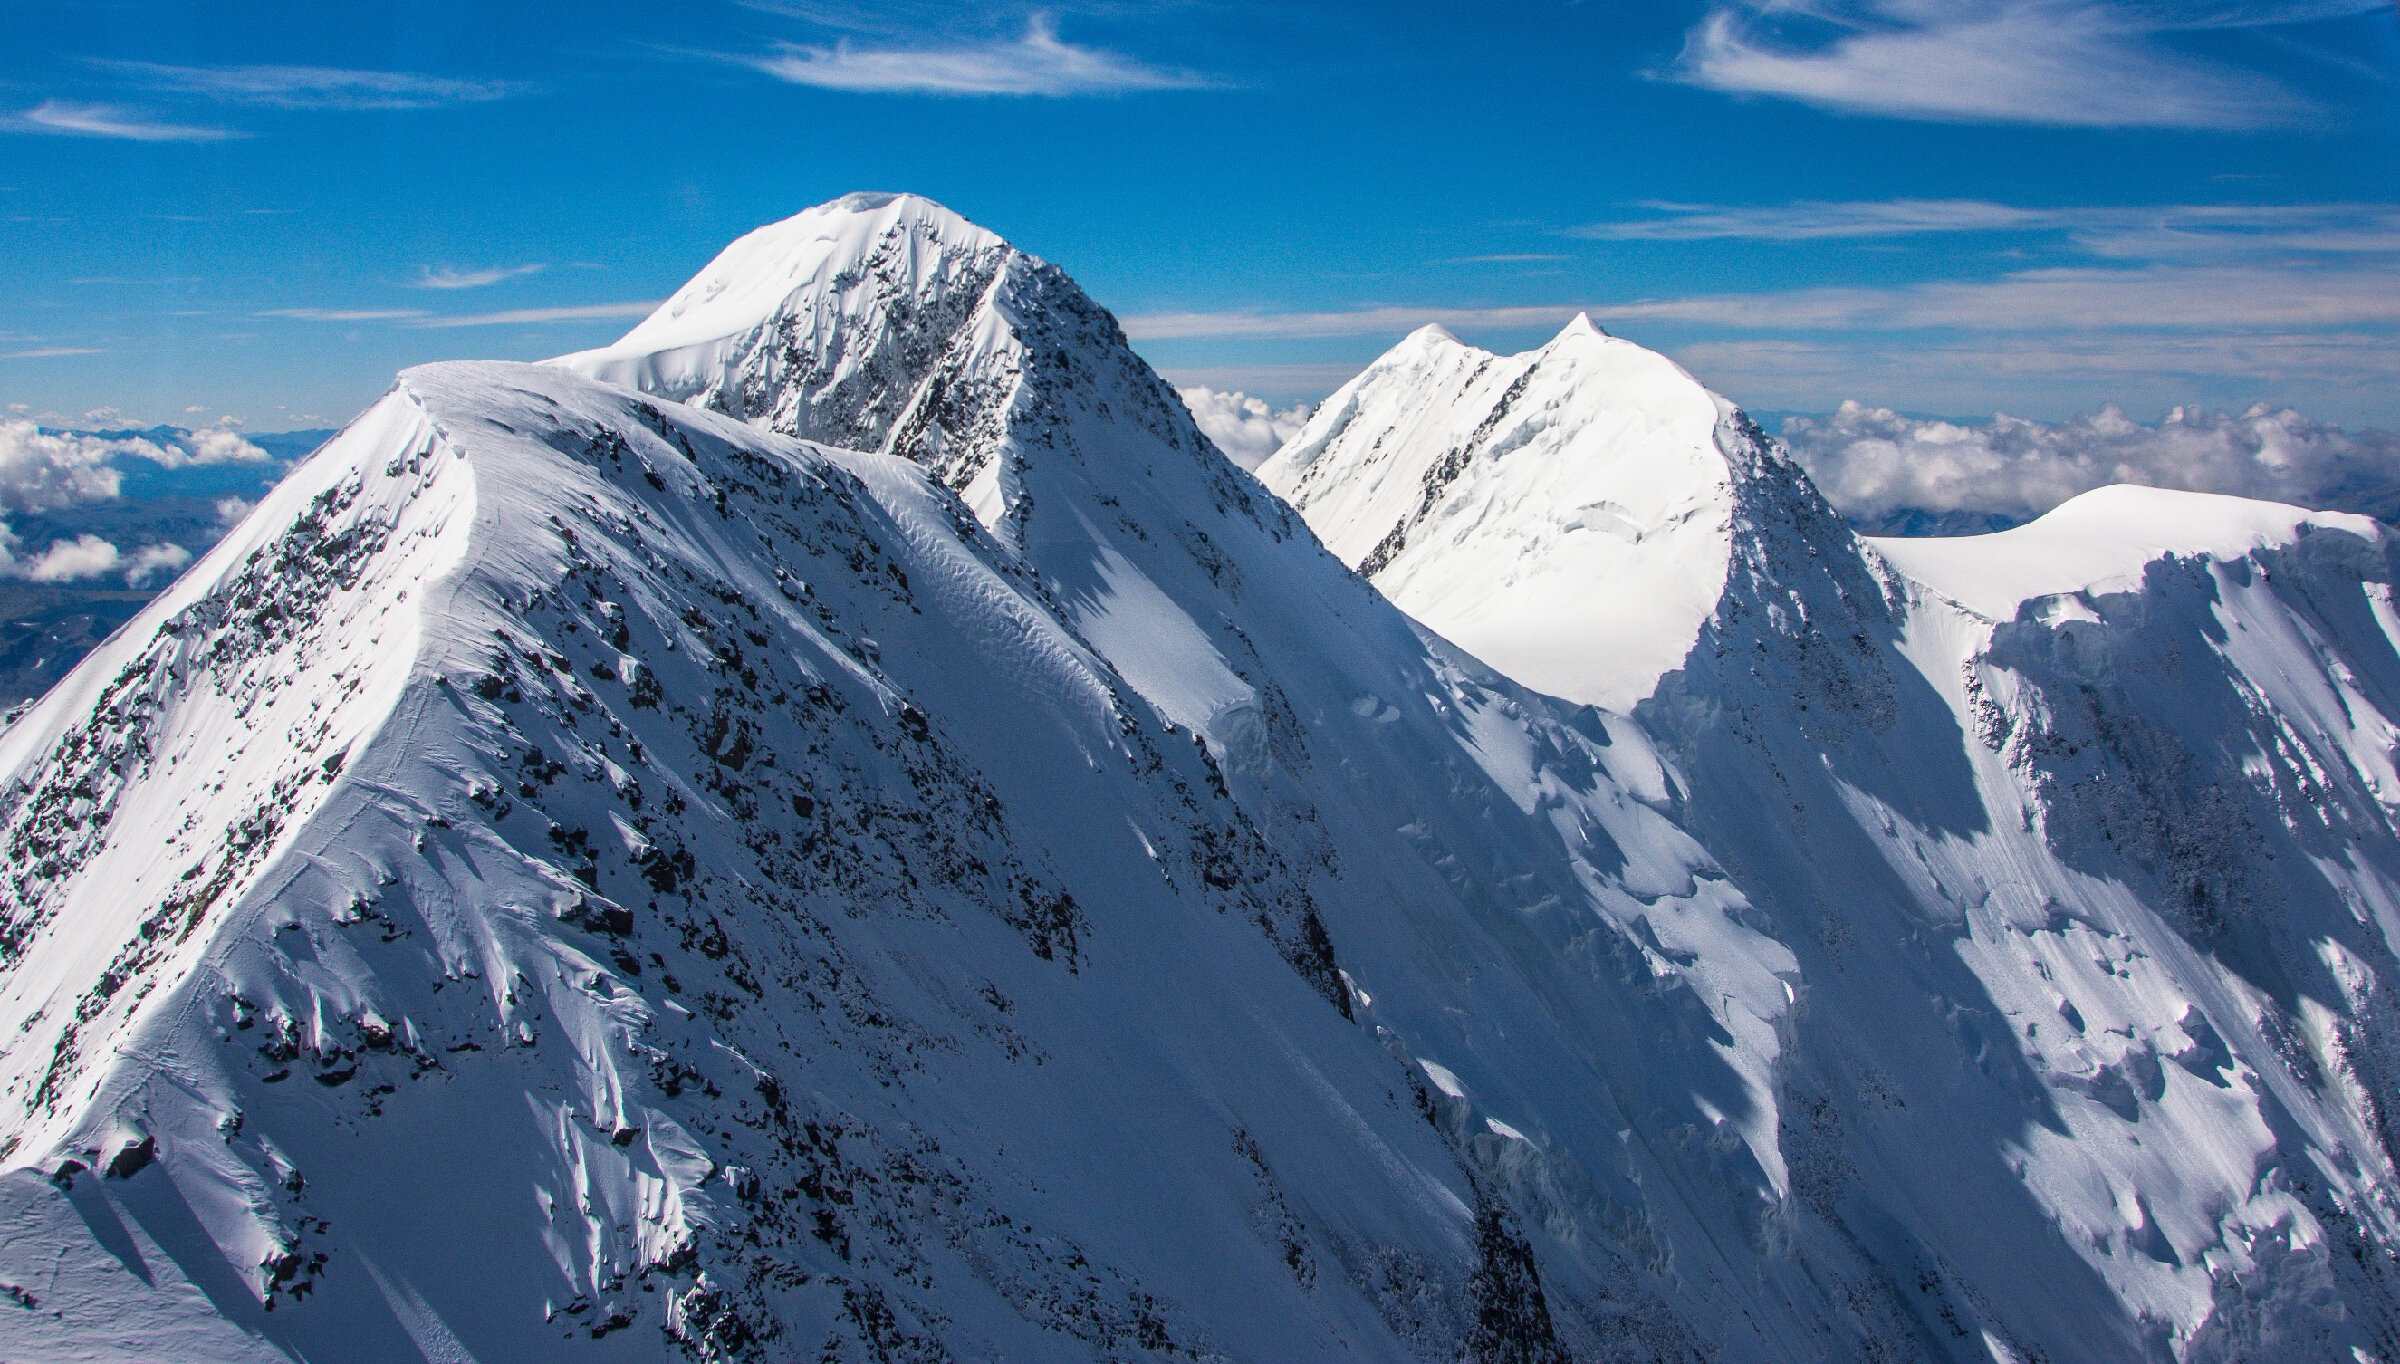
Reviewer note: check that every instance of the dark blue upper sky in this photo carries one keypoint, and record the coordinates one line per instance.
(1937, 205)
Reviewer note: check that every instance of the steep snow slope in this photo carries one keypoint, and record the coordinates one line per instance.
(741, 909)
(1485, 494)
(1469, 843)
(680, 890)
(2083, 847)
(693, 891)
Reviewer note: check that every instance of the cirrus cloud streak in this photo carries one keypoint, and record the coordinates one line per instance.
(63, 118)
(1039, 63)
(2067, 63)
(2163, 296)
(310, 87)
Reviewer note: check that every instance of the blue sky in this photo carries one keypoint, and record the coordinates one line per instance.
(1940, 206)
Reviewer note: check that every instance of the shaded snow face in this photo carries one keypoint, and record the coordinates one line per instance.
(1561, 514)
(661, 883)
(2083, 812)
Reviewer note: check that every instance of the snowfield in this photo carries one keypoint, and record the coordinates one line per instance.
(841, 827)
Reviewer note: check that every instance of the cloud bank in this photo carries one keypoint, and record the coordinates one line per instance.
(1874, 463)
(1245, 428)
(88, 556)
(52, 470)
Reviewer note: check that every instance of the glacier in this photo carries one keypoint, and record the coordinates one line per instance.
(840, 826)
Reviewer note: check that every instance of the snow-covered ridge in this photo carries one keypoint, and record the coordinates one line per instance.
(1487, 495)
(1011, 892)
(172, 764)
(2103, 540)
(773, 912)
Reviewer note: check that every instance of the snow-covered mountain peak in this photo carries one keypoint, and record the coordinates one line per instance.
(810, 325)
(1524, 505)
(1581, 324)
(2104, 540)
(764, 271)
(888, 323)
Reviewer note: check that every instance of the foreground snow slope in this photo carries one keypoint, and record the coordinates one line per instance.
(588, 876)
(743, 915)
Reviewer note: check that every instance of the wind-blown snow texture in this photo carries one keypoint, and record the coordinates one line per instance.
(580, 875)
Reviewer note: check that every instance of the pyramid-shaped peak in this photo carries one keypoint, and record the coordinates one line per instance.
(758, 277)
(1581, 325)
(1563, 513)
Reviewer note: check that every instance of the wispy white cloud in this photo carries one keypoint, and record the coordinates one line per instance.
(2159, 296)
(2093, 63)
(311, 87)
(419, 317)
(65, 119)
(344, 314)
(2122, 231)
(589, 312)
(1039, 63)
(49, 352)
(450, 277)
(2151, 297)
(1815, 220)
(1247, 429)
(1780, 366)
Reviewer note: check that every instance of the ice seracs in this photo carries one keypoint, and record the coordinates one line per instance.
(1526, 505)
